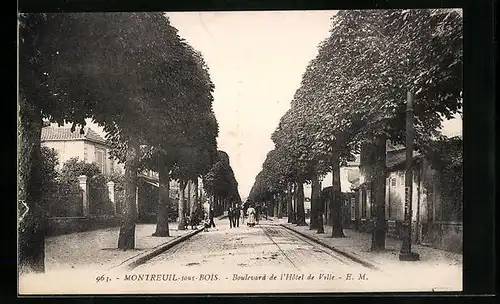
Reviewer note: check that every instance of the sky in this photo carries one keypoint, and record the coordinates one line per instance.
(256, 61)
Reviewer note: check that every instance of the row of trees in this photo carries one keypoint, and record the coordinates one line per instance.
(220, 183)
(133, 75)
(353, 97)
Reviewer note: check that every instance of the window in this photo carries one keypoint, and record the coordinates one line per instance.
(393, 182)
(100, 159)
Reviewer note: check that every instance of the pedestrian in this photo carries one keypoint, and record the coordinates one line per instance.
(211, 216)
(257, 213)
(206, 222)
(242, 215)
(230, 216)
(192, 220)
(236, 216)
(251, 216)
(186, 221)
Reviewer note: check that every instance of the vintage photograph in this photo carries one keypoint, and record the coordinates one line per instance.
(240, 152)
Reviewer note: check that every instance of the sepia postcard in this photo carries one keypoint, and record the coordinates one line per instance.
(240, 152)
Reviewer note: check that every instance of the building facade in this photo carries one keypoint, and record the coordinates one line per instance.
(433, 223)
(89, 147)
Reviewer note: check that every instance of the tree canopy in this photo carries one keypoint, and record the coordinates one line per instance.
(355, 90)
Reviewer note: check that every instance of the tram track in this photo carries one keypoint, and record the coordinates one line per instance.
(274, 231)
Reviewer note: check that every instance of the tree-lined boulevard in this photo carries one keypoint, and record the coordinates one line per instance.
(380, 75)
(353, 98)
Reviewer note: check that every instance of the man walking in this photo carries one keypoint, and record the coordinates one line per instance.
(212, 223)
(236, 216)
(257, 213)
(230, 216)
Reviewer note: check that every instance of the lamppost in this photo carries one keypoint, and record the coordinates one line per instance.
(406, 254)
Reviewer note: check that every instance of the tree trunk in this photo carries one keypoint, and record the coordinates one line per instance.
(162, 228)
(378, 194)
(275, 206)
(294, 196)
(301, 215)
(126, 239)
(32, 227)
(189, 199)
(315, 203)
(182, 222)
(216, 204)
(280, 205)
(289, 204)
(336, 210)
(196, 197)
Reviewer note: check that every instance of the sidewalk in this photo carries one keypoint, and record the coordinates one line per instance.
(98, 248)
(439, 268)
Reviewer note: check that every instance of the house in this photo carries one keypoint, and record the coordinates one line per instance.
(432, 221)
(89, 147)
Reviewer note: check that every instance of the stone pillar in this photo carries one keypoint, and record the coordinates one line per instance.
(111, 192)
(82, 179)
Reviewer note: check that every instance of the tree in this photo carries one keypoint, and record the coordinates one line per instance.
(149, 108)
(220, 182)
(351, 94)
(446, 157)
(37, 49)
(49, 183)
(98, 192)
(417, 50)
(186, 150)
(113, 67)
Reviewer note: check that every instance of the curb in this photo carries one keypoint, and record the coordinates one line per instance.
(344, 253)
(143, 258)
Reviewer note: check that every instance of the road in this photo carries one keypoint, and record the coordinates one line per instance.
(264, 246)
(247, 259)
(267, 258)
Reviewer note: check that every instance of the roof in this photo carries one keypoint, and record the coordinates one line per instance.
(64, 133)
(398, 156)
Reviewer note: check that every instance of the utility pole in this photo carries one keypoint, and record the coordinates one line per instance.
(406, 254)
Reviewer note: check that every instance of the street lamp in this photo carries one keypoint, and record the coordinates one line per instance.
(406, 254)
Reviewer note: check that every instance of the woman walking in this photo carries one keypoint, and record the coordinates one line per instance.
(251, 216)
(242, 216)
